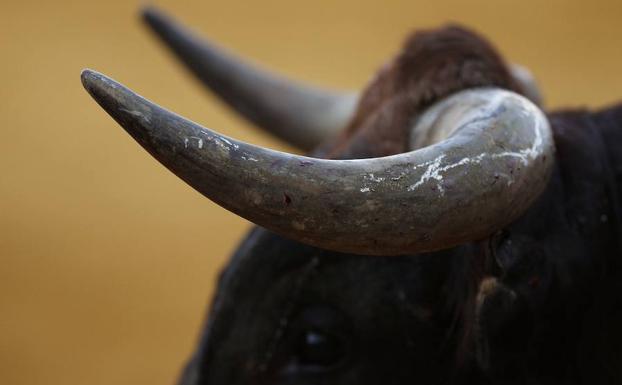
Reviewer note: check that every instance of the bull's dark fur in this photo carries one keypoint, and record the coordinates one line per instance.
(431, 66)
(536, 303)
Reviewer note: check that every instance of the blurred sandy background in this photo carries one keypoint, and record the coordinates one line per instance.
(107, 260)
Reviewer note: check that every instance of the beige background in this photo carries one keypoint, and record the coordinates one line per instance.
(107, 260)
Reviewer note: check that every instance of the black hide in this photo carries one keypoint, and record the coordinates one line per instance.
(537, 303)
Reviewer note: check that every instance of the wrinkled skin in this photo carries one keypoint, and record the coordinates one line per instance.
(536, 303)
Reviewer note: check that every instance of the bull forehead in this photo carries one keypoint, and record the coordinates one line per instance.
(265, 259)
(270, 280)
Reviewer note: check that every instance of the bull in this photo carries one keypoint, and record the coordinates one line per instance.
(442, 230)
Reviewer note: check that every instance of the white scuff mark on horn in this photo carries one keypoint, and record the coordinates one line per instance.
(488, 106)
(137, 114)
(429, 162)
(432, 172)
(435, 171)
(222, 143)
(396, 178)
(530, 153)
(372, 178)
(229, 143)
(249, 158)
(198, 140)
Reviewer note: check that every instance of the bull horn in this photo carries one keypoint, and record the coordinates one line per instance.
(493, 161)
(299, 114)
(270, 101)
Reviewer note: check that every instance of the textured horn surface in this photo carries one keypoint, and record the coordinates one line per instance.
(301, 115)
(490, 162)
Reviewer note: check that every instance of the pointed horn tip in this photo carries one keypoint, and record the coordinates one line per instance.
(150, 14)
(89, 79)
(94, 82)
(122, 104)
(104, 90)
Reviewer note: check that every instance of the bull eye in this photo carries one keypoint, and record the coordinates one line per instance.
(319, 340)
(319, 350)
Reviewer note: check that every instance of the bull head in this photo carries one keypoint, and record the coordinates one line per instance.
(440, 162)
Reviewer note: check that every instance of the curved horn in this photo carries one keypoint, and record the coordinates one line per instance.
(495, 161)
(301, 115)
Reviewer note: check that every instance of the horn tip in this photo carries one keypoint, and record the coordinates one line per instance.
(150, 14)
(86, 73)
(95, 82)
(106, 92)
(88, 77)
(130, 110)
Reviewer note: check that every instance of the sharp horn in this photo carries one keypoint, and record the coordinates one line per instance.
(493, 163)
(299, 114)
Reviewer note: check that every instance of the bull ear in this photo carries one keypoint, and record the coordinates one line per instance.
(503, 329)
